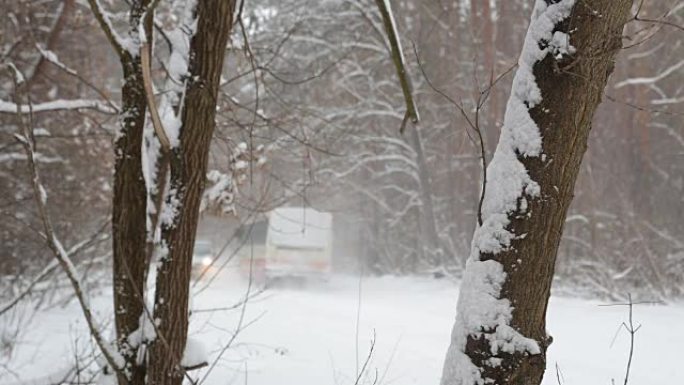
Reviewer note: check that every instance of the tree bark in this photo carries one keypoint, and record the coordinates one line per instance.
(129, 218)
(188, 165)
(510, 347)
(129, 209)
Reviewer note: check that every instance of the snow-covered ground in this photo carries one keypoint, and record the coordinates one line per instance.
(308, 336)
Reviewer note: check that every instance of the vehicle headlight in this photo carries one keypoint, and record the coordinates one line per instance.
(206, 261)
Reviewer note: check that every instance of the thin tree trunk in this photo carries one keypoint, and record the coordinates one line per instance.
(500, 332)
(188, 165)
(129, 218)
(429, 236)
(129, 209)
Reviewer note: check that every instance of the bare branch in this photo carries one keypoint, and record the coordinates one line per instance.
(398, 59)
(149, 92)
(62, 256)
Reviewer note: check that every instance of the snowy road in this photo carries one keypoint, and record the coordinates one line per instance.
(309, 336)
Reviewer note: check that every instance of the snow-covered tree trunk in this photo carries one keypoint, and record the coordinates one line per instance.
(129, 216)
(185, 130)
(500, 332)
(187, 174)
(129, 201)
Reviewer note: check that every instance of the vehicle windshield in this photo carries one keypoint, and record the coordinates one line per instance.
(202, 248)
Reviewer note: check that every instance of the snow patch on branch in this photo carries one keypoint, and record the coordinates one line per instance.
(220, 193)
(222, 188)
(150, 160)
(57, 105)
(132, 46)
(171, 208)
(52, 58)
(18, 75)
(651, 80)
(481, 313)
(145, 333)
(171, 106)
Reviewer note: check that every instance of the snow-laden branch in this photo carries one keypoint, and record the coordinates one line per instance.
(52, 58)
(649, 80)
(671, 132)
(121, 45)
(667, 101)
(38, 157)
(372, 159)
(219, 194)
(58, 105)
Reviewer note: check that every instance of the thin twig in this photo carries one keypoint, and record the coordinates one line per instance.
(52, 266)
(631, 329)
(474, 124)
(366, 362)
(40, 196)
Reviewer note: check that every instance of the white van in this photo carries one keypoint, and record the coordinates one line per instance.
(298, 244)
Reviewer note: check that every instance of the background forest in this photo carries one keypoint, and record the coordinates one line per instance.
(310, 85)
(145, 145)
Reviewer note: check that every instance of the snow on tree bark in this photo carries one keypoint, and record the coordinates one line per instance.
(129, 206)
(500, 333)
(129, 217)
(187, 176)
